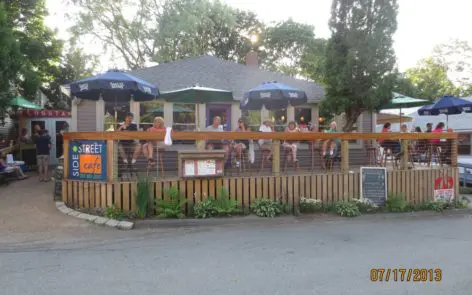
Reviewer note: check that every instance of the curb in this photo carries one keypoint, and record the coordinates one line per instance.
(124, 225)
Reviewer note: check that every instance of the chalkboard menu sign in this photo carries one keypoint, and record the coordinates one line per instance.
(58, 183)
(374, 184)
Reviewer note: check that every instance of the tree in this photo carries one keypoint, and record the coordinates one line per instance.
(40, 49)
(194, 27)
(312, 62)
(10, 61)
(163, 31)
(132, 37)
(285, 44)
(74, 65)
(360, 60)
(430, 79)
(456, 56)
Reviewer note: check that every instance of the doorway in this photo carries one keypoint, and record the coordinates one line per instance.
(221, 110)
(55, 128)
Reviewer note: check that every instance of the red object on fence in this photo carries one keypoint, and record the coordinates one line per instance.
(442, 183)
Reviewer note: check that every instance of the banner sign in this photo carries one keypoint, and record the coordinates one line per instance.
(88, 160)
(444, 189)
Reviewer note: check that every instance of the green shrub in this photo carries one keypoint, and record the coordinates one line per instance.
(114, 212)
(465, 190)
(204, 209)
(310, 205)
(142, 197)
(329, 207)
(462, 202)
(266, 208)
(396, 203)
(365, 205)
(347, 209)
(171, 208)
(222, 206)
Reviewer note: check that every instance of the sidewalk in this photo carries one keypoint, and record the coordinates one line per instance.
(28, 214)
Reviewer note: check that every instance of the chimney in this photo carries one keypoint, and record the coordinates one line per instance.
(252, 59)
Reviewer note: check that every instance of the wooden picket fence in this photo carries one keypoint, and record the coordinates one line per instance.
(417, 185)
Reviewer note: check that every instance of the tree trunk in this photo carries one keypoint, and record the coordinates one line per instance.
(351, 119)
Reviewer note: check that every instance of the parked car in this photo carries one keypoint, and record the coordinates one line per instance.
(465, 174)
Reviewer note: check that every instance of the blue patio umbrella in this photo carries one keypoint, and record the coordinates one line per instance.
(114, 86)
(447, 105)
(273, 96)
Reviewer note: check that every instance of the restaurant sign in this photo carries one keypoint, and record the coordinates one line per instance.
(88, 160)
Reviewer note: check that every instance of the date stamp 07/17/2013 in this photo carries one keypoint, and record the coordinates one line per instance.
(406, 275)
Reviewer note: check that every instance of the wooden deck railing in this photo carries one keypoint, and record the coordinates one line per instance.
(277, 137)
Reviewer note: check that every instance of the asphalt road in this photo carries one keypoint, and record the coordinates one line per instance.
(302, 257)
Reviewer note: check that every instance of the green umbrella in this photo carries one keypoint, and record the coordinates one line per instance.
(400, 101)
(177, 109)
(22, 102)
(197, 94)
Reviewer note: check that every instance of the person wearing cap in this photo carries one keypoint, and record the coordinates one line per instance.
(125, 146)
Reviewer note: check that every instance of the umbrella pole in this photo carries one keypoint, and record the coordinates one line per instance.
(400, 118)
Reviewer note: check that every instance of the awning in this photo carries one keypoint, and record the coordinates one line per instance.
(383, 118)
(22, 102)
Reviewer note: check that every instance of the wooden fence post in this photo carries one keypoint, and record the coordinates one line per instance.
(65, 165)
(404, 156)
(111, 162)
(345, 156)
(454, 152)
(276, 157)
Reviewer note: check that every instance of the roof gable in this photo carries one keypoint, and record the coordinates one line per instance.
(213, 72)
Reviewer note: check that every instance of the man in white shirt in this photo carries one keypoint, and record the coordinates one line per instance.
(217, 144)
(265, 145)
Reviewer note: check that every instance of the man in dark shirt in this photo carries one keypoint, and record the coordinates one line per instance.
(126, 146)
(43, 146)
(429, 127)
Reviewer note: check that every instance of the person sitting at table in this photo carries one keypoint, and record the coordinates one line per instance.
(404, 128)
(331, 143)
(125, 146)
(439, 129)
(265, 145)
(291, 146)
(148, 148)
(388, 144)
(4, 168)
(240, 145)
(217, 144)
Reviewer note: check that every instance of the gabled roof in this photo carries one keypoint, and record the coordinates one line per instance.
(210, 71)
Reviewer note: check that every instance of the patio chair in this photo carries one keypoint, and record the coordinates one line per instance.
(315, 149)
(287, 154)
(160, 162)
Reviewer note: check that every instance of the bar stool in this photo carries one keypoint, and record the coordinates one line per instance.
(434, 150)
(160, 161)
(287, 154)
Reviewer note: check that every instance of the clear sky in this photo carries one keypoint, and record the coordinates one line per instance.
(421, 23)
